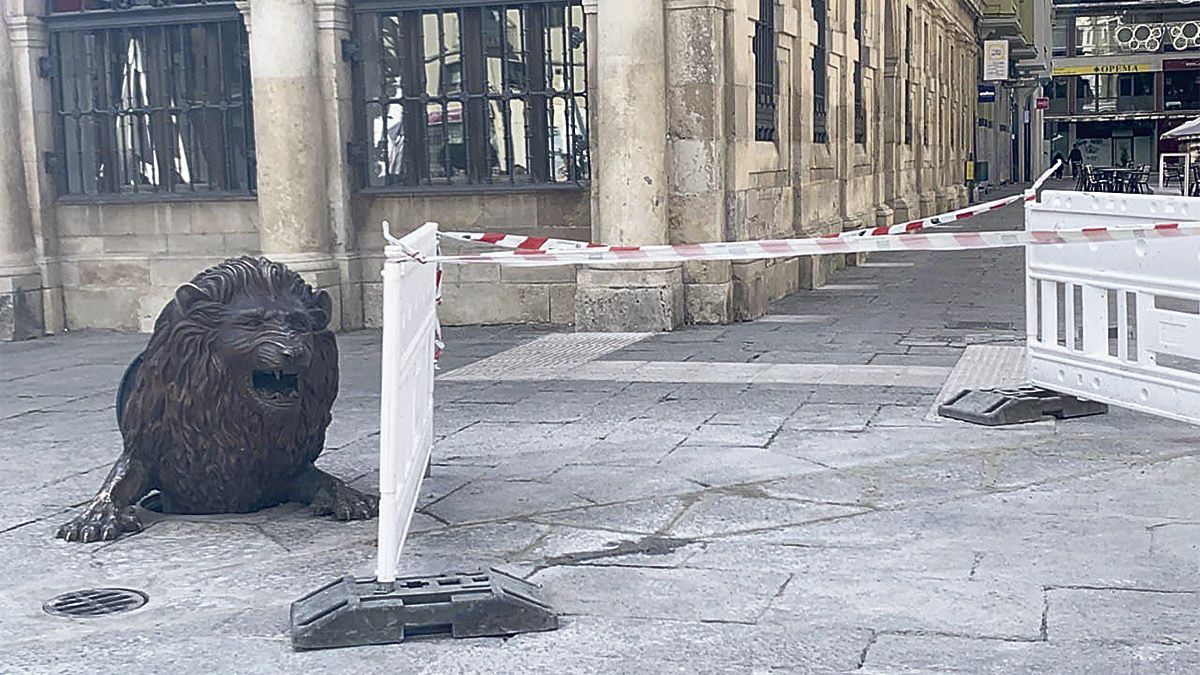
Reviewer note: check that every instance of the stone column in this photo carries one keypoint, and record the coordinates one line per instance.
(290, 141)
(334, 24)
(630, 172)
(696, 169)
(21, 315)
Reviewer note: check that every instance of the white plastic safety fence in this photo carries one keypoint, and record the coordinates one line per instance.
(406, 406)
(1117, 321)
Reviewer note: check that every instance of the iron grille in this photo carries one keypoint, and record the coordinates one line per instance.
(908, 16)
(152, 108)
(764, 72)
(908, 113)
(860, 105)
(820, 73)
(64, 6)
(473, 94)
(860, 108)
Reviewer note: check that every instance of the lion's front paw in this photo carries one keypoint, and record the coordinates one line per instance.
(345, 503)
(102, 521)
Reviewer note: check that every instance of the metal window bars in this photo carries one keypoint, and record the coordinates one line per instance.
(820, 72)
(94, 6)
(486, 94)
(764, 72)
(860, 107)
(147, 104)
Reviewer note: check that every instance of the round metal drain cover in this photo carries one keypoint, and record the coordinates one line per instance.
(95, 602)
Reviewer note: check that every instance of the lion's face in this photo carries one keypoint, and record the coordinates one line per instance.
(255, 321)
(267, 345)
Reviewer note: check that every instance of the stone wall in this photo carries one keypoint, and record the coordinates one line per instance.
(122, 262)
(674, 160)
(478, 293)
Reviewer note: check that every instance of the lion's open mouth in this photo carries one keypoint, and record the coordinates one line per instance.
(276, 387)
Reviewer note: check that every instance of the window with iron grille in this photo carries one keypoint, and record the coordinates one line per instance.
(908, 14)
(470, 93)
(820, 72)
(908, 112)
(928, 102)
(860, 105)
(151, 98)
(764, 72)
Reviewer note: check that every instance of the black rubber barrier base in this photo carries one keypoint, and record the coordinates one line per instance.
(352, 612)
(1016, 405)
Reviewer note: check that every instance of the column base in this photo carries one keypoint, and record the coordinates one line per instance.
(629, 300)
(22, 315)
(708, 292)
(756, 284)
(903, 210)
(928, 204)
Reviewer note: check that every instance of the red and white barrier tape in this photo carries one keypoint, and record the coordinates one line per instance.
(517, 241)
(526, 243)
(787, 248)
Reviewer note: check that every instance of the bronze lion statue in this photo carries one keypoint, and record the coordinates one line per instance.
(225, 411)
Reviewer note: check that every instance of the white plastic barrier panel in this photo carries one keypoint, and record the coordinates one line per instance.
(406, 406)
(1117, 322)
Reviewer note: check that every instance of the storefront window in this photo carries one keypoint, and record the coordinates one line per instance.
(1181, 90)
(1056, 91)
(1135, 91)
(1061, 30)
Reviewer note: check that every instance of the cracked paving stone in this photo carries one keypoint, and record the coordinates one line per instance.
(720, 513)
(831, 417)
(913, 603)
(1159, 616)
(486, 500)
(654, 593)
(622, 484)
(645, 516)
(708, 466)
(571, 546)
(914, 652)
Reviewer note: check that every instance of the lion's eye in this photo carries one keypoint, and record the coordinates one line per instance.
(297, 322)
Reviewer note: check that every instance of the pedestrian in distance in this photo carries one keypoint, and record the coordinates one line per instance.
(1076, 159)
(1058, 159)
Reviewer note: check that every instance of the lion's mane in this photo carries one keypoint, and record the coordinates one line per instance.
(179, 411)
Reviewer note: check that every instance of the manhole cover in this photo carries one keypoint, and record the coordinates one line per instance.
(95, 602)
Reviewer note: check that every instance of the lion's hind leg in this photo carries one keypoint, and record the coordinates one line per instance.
(328, 495)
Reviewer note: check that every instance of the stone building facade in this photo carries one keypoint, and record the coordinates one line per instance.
(156, 137)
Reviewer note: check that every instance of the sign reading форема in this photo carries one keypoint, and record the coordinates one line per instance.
(1104, 69)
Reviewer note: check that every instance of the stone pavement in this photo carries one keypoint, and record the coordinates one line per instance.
(714, 523)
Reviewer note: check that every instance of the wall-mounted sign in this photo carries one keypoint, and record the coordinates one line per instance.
(1042, 103)
(1104, 69)
(987, 93)
(995, 60)
(1181, 64)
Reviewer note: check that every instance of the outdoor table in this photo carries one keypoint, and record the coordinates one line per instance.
(1116, 176)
